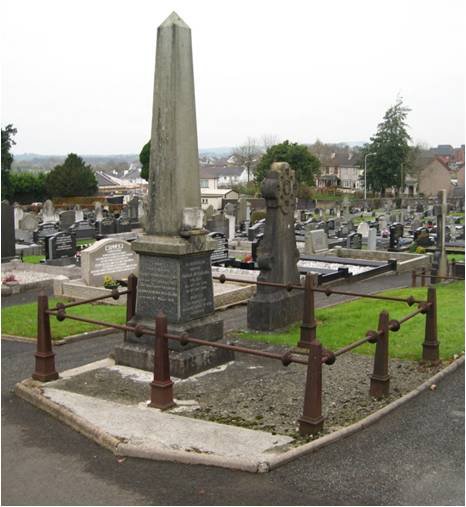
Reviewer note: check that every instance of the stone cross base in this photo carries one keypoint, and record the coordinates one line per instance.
(275, 310)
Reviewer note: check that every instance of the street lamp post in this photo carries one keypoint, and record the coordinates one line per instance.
(365, 174)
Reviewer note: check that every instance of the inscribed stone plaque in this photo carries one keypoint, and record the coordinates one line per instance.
(108, 257)
(220, 254)
(179, 287)
(60, 245)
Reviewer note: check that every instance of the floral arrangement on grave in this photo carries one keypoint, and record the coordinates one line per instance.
(110, 283)
(9, 278)
(420, 250)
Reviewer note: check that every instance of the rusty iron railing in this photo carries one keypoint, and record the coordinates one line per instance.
(433, 277)
(311, 421)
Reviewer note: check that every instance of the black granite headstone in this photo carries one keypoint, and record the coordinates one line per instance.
(44, 231)
(396, 233)
(122, 224)
(8, 232)
(354, 241)
(220, 254)
(62, 244)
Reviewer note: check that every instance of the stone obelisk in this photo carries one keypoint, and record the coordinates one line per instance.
(440, 264)
(175, 273)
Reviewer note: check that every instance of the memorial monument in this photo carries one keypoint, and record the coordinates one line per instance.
(175, 273)
(275, 307)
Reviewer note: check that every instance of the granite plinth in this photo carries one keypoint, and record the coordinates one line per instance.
(276, 310)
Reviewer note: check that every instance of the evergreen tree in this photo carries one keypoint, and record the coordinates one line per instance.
(144, 158)
(301, 160)
(7, 159)
(391, 160)
(73, 178)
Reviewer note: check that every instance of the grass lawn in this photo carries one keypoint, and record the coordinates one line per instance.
(457, 257)
(22, 320)
(344, 323)
(33, 259)
(81, 242)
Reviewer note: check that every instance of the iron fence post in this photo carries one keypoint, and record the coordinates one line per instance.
(131, 299)
(161, 394)
(380, 378)
(45, 357)
(423, 277)
(312, 421)
(430, 347)
(413, 278)
(308, 326)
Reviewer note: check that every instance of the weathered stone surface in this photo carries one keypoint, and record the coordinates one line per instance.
(108, 257)
(273, 307)
(8, 232)
(316, 241)
(174, 166)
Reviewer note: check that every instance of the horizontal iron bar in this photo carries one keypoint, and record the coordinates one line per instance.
(289, 286)
(409, 300)
(355, 344)
(98, 322)
(85, 301)
(236, 348)
(426, 275)
(421, 309)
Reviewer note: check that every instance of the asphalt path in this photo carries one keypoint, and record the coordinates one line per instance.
(414, 456)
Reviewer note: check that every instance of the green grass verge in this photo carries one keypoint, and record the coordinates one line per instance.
(21, 320)
(344, 323)
(81, 242)
(457, 257)
(33, 259)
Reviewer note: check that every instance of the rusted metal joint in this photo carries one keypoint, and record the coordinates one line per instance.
(410, 300)
(138, 331)
(61, 312)
(425, 307)
(115, 294)
(328, 292)
(222, 278)
(373, 336)
(329, 357)
(184, 339)
(286, 358)
(394, 325)
(289, 287)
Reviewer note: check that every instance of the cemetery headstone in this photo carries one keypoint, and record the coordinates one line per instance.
(396, 233)
(48, 212)
(83, 230)
(60, 247)
(122, 224)
(8, 232)
(79, 214)
(220, 254)
(106, 226)
(44, 230)
(18, 214)
(440, 259)
(363, 229)
(372, 239)
(274, 307)
(315, 242)
(422, 238)
(67, 219)
(354, 241)
(108, 257)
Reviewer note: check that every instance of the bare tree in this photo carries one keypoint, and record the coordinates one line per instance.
(269, 140)
(247, 155)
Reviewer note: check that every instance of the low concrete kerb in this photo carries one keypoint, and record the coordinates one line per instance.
(30, 390)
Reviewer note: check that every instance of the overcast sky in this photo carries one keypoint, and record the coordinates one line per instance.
(78, 76)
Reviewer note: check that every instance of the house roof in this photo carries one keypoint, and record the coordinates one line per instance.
(215, 171)
(219, 192)
(105, 180)
(443, 150)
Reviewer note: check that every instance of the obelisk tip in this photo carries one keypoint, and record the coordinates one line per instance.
(174, 19)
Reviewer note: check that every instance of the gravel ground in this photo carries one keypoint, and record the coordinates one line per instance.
(28, 276)
(260, 393)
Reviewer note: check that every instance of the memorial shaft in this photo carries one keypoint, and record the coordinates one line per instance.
(174, 165)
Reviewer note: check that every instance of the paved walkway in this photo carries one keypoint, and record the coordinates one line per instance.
(414, 456)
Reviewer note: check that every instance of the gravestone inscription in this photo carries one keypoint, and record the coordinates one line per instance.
(109, 257)
(60, 245)
(220, 254)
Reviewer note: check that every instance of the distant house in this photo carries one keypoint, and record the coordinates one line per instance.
(340, 170)
(107, 183)
(211, 192)
(434, 176)
(226, 176)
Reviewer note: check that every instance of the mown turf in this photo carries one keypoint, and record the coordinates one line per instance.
(344, 323)
(21, 320)
(33, 259)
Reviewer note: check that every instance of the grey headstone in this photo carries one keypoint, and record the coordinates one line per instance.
(109, 257)
(274, 307)
(372, 239)
(8, 232)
